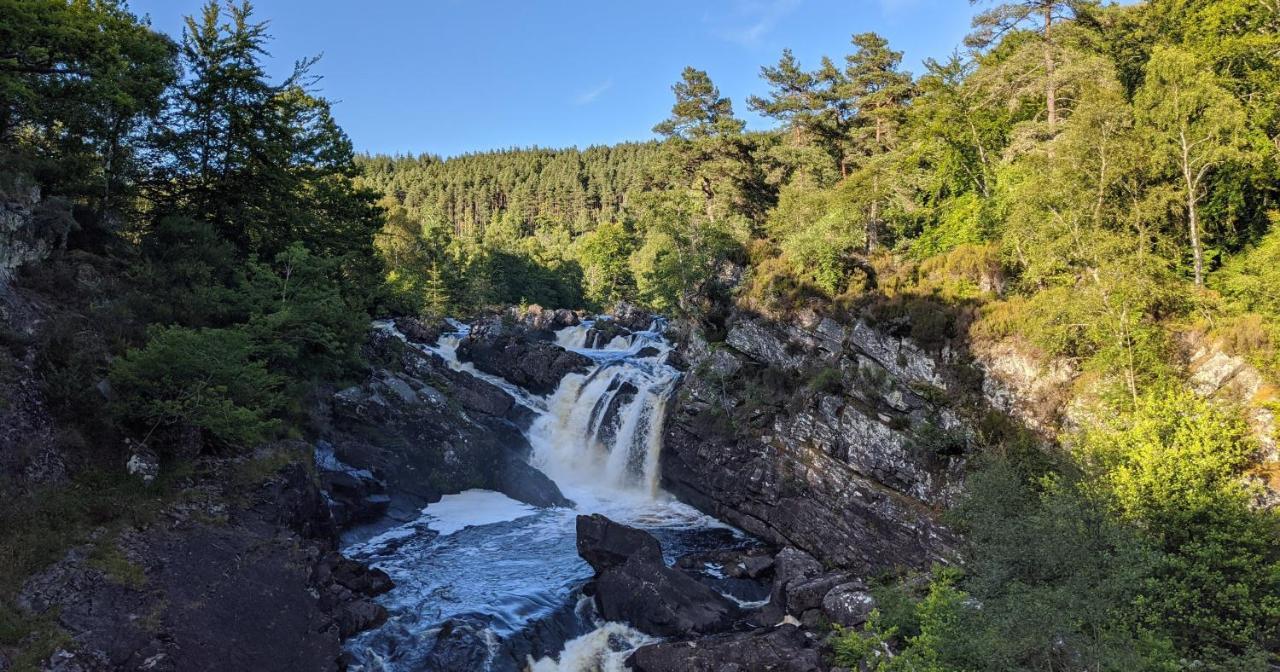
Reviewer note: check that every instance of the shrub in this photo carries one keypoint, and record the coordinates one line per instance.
(207, 379)
(1174, 468)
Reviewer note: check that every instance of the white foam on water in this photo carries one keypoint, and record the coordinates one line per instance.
(604, 649)
(471, 508)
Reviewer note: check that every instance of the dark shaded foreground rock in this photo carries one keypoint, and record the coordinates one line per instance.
(661, 601)
(226, 579)
(535, 365)
(633, 585)
(785, 648)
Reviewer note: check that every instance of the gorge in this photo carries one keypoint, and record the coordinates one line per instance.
(908, 355)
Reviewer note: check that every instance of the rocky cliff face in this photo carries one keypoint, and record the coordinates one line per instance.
(30, 227)
(839, 440)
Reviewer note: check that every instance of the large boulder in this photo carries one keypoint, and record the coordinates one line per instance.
(537, 366)
(605, 544)
(547, 319)
(661, 601)
(782, 649)
(631, 317)
(416, 430)
(426, 332)
(634, 585)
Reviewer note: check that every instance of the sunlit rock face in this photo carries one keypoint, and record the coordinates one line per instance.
(838, 439)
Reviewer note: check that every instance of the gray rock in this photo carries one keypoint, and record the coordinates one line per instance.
(536, 366)
(837, 474)
(848, 604)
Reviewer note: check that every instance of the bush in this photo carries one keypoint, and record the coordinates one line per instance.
(206, 379)
(1174, 468)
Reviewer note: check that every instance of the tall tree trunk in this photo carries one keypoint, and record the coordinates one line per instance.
(1192, 183)
(1193, 225)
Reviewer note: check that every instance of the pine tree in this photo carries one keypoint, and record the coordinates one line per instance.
(1037, 16)
(699, 111)
(879, 91)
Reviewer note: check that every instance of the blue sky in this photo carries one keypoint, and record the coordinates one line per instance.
(451, 76)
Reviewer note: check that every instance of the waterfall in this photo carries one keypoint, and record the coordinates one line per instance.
(499, 567)
(603, 429)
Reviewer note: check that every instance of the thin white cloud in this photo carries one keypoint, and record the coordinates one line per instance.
(590, 96)
(751, 20)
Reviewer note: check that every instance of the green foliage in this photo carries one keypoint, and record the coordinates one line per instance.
(603, 254)
(1174, 468)
(206, 379)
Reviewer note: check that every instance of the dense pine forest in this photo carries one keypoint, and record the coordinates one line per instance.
(1097, 183)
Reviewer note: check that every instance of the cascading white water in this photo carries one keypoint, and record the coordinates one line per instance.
(493, 563)
(604, 428)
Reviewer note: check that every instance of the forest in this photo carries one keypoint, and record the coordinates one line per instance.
(1098, 182)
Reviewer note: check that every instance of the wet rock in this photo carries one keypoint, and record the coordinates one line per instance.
(661, 601)
(782, 649)
(633, 584)
(648, 351)
(462, 645)
(605, 544)
(631, 317)
(546, 319)
(737, 563)
(360, 615)
(534, 365)
(419, 331)
(354, 576)
(611, 420)
(603, 332)
(520, 481)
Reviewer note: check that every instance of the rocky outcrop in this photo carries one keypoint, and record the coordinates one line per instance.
(535, 365)
(1024, 386)
(421, 331)
(631, 317)
(836, 439)
(537, 318)
(785, 648)
(30, 227)
(416, 430)
(634, 585)
(605, 544)
(225, 579)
